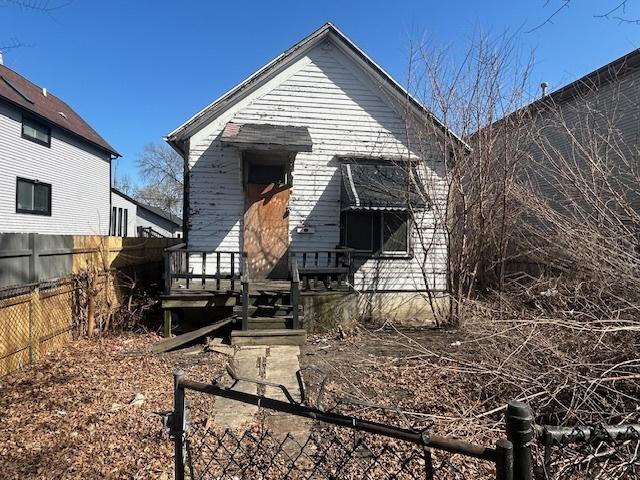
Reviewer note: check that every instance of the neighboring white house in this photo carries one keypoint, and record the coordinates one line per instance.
(55, 170)
(131, 218)
(293, 160)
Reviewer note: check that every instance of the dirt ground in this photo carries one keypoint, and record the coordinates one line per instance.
(90, 410)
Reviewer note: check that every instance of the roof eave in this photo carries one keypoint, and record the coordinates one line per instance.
(44, 119)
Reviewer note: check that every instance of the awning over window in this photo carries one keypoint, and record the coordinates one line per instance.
(381, 187)
(255, 136)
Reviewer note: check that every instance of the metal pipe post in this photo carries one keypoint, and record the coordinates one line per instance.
(519, 423)
(178, 424)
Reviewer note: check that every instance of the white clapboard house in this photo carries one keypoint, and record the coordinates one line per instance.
(310, 159)
(132, 218)
(55, 170)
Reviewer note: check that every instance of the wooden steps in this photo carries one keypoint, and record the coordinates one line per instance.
(275, 336)
(266, 310)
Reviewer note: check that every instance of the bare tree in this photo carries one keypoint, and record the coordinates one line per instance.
(124, 184)
(163, 171)
(471, 175)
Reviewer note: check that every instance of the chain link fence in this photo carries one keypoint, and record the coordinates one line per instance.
(39, 318)
(35, 319)
(290, 440)
(591, 451)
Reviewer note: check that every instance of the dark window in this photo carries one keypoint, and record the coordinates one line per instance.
(119, 222)
(114, 216)
(36, 132)
(376, 232)
(125, 220)
(33, 197)
(394, 232)
(265, 174)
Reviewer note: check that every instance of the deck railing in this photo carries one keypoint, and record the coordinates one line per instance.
(333, 268)
(295, 293)
(191, 268)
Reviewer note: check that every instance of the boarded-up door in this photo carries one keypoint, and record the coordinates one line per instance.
(266, 230)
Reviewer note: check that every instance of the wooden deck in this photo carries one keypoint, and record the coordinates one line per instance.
(179, 287)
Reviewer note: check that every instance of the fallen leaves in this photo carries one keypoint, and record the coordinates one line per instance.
(94, 410)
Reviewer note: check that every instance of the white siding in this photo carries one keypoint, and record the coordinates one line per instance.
(118, 202)
(346, 114)
(78, 173)
(164, 227)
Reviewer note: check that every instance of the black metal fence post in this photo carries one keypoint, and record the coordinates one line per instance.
(519, 424)
(178, 424)
(504, 460)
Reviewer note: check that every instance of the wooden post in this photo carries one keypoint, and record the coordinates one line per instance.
(204, 269)
(295, 293)
(34, 259)
(217, 270)
(245, 293)
(187, 270)
(167, 323)
(91, 302)
(233, 271)
(34, 315)
(167, 272)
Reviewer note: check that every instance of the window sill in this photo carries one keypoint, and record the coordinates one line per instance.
(38, 141)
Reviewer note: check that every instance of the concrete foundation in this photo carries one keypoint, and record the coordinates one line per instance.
(327, 310)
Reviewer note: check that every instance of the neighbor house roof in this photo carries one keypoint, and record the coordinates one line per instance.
(328, 30)
(593, 80)
(19, 91)
(155, 210)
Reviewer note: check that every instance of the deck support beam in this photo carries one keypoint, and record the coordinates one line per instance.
(167, 323)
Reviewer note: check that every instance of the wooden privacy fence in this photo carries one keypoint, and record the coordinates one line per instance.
(27, 258)
(43, 315)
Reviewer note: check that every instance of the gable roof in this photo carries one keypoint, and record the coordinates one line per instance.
(17, 90)
(155, 210)
(328, 30)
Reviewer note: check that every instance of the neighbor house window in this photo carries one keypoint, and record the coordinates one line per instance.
(33, 197)
(114, 213)
(376, 232)
(36, 132)
(119, 222)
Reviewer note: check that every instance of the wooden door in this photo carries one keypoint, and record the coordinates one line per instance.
(266, 230)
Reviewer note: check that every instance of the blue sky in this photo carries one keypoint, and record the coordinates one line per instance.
(136, 69)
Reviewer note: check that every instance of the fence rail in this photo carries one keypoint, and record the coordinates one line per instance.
(589, 451)
(314, 448)
(27, 258)
(343, 446)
